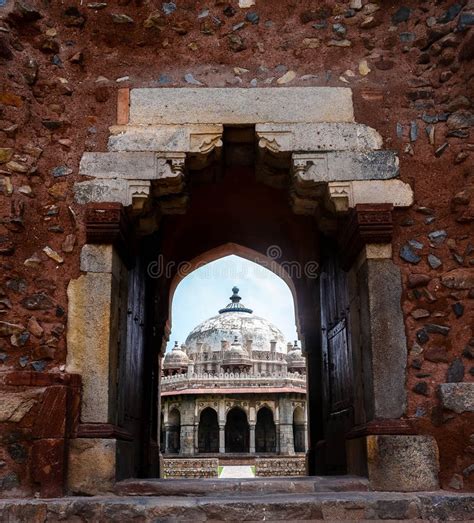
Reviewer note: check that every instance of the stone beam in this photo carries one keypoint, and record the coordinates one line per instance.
(240, 106)
(310, 168)
(132, 165)
(306, 137)
(341, 196)
(196, 139)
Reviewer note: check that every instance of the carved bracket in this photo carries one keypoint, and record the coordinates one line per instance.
(107, 223)
(365, 224)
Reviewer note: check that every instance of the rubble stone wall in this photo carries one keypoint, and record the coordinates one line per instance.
(409, 65)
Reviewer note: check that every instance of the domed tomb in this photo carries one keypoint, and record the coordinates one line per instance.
(235, 321)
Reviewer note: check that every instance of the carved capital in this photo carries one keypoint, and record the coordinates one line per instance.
(365, 224)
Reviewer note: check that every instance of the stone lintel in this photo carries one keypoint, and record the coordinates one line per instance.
(131, 165)
(198, 139)
(309, 137)
(335, 166)
(239, 106)
(458, 397)
(341, 196)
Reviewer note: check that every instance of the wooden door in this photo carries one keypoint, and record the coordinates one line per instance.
(337, 368)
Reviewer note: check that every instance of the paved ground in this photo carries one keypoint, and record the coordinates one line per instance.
(237, 471)
(317, 506)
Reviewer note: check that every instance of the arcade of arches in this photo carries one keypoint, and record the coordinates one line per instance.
(237, 171)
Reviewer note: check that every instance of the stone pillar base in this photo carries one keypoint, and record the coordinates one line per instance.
(395, 462)
(92, 465)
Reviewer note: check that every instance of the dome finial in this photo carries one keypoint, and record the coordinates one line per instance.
(235, 305)
(235, 298)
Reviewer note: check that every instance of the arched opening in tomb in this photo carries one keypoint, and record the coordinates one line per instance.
(236, 431)
(265, 431)
(299, 429)
(173, 432)
(208, 431)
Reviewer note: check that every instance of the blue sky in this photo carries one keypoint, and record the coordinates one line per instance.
(206, 290)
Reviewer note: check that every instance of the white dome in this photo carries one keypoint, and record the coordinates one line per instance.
(235, 321)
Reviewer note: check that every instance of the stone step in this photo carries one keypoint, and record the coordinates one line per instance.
(327, 506)
(233, 487)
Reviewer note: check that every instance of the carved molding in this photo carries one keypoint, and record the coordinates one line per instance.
(107, 223)
(341, 195)
(102, 431)
(382, 427)
(365, 224)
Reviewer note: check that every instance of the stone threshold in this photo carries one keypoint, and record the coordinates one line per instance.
(329, 506)
(235, 487)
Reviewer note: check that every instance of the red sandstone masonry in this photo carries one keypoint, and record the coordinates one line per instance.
(50, 114)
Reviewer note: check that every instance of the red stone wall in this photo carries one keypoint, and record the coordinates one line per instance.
(61, 65)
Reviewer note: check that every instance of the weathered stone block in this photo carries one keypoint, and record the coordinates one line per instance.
(166, 138)
(100, 258)
(384, 334)
(347, 194)
(51, 419)
(89, 342)
(15, 405)
(458, 397)
(402, 463)
(240, 106)
(130, 165)
(344, 166)
(304, 137)
(91, 465)
(48, 466)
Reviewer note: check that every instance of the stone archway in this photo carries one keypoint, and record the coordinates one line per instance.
(208, 431)
(237, 435)
(265, 431)
(152, 189)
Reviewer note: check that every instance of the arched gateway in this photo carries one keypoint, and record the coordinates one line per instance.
(190, 170)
